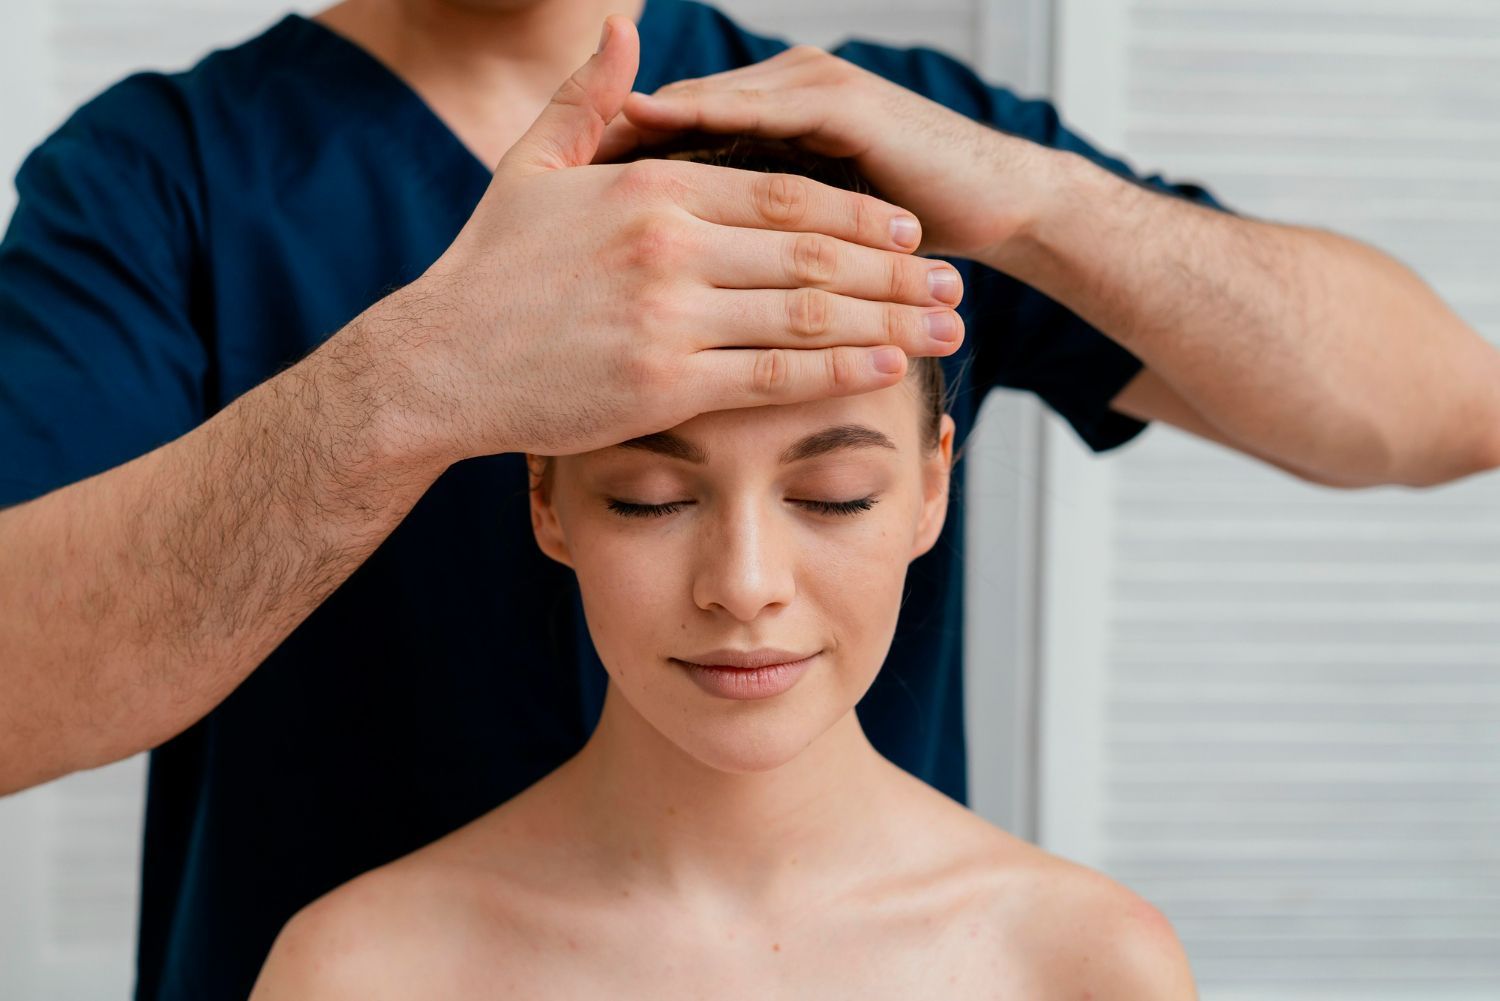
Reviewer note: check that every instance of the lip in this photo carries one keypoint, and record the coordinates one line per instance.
(747, 674)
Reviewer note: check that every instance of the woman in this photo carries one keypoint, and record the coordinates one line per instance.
(728, 830)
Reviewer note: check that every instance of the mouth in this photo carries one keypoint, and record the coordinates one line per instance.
(747, 674)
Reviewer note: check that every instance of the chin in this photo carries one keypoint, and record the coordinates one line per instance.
(754, 737)
(491, 6)
(746, 750)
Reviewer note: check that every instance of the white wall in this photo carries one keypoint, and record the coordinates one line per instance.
(1274, 709)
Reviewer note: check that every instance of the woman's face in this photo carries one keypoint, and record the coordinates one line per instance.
(764, 535)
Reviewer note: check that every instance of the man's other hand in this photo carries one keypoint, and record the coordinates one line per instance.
(584, 304)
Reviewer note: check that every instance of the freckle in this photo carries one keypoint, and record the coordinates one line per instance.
(624, 893)
(635, 854)
(671, 811)
(793, 861)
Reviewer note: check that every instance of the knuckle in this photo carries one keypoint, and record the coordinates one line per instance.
(898, 283)
(842, 69)
(810, 311)
(771, 373)
(654, 243)
(657, 309)
(781, 199)
(861, 216)
(894, 323)
(814, 259)
(640, 178)
(839, 367)
(572, 93)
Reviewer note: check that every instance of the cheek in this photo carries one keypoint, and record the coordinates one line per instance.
(855, 581)
(631, 584)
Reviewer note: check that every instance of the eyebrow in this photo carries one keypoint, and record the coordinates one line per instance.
(668, 444)
(829, 439)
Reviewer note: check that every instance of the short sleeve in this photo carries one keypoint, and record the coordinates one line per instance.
(1023, 339)
(99, 359)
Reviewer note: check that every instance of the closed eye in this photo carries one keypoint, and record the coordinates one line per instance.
(839, 508)
(630, 510)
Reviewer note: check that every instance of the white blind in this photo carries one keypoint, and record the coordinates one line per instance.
(1285, 728)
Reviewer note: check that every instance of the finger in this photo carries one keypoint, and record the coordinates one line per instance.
(770, 113)
(814, 318)
(787, 67)
(760, 259)
(730, 378)
(763, 71)
(568, 130)
(789, 202)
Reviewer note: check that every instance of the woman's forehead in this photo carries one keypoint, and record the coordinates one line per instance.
(890, 411)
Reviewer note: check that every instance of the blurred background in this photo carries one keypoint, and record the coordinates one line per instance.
(1272, 709)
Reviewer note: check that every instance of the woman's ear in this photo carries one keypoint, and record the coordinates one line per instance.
(542, 472)
(936, 469)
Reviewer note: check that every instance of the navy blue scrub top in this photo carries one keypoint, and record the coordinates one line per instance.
(184, 237)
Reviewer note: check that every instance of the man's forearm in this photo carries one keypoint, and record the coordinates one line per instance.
(132, 602)
(1310, 349)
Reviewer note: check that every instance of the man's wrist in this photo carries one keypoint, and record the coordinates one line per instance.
(1070, 195)
(371, 400)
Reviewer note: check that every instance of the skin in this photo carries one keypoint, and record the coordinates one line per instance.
(1303, 348)
(705, 847)
(134, 601)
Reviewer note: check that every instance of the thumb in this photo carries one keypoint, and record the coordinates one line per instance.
(567, 132)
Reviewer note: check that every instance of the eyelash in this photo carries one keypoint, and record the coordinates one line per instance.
(841, 508)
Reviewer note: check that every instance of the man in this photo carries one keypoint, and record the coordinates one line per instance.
(308, 583)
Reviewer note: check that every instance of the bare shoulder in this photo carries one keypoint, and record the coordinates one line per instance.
(1088, 935)
(368, 939)
(457, 918)
(399, 931)
(1028, 923)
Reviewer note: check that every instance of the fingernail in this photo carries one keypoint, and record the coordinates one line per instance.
(942, 326)
(944, 284)
(887, 360)
(603, 37)
(905, 230)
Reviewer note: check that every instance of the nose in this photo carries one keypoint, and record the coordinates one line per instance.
(745, 565)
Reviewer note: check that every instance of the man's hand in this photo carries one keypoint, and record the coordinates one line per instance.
(971, 186)
(584, 304)
(1299, 347)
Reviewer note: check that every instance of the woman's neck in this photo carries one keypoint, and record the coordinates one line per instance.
(758, 840)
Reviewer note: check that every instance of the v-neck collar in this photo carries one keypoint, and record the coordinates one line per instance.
(399, 92)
